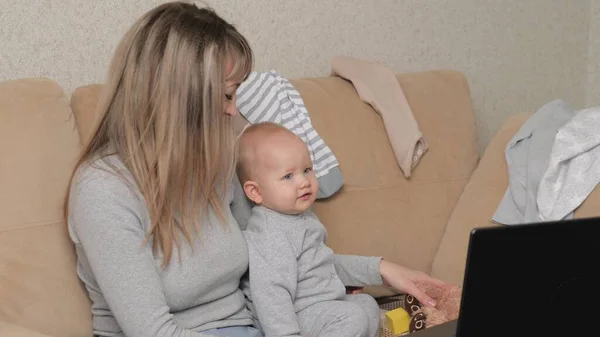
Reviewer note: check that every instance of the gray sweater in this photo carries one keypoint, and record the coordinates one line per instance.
(291, 269)
(132, 295)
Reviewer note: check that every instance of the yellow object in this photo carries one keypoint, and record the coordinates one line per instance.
(397, 321)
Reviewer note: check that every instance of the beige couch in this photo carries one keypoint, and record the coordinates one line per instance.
(422, 222)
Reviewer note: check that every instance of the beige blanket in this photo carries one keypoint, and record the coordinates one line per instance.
(378, 86)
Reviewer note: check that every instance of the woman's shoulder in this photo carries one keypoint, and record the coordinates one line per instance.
(103, 199)
(104, 176)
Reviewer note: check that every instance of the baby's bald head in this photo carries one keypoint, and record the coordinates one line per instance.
(256, 142)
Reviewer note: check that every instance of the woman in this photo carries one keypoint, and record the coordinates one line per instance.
(153, 209)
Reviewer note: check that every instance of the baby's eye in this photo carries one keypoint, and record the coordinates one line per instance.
(307, 170)
(229, 97)
(287, 176)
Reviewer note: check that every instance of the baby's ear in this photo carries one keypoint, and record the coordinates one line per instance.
(253, 192)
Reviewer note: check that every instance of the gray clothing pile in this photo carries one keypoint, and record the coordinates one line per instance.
(553, 164)
(573, 167)
(527, 155)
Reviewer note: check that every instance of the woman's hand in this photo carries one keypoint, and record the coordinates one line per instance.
(404, 280)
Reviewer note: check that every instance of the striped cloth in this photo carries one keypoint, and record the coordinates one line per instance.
(268, 97)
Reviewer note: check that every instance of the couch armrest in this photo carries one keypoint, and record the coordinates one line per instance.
(8, 329)
(476, 205)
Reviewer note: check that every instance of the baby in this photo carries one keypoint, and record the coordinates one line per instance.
(293, 286)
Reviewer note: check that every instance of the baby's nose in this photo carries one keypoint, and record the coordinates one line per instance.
(305, 181)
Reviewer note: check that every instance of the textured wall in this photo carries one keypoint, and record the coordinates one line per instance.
(517, 54)
(593, 84)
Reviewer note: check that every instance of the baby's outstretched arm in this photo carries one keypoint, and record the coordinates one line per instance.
(358, 271)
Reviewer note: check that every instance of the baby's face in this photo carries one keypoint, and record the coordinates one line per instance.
(285, 176)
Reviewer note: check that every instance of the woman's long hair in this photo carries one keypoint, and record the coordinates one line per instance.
(161, 111)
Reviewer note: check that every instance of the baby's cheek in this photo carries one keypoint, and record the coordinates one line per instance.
(315, 187)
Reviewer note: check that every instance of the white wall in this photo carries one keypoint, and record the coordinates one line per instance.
(516, 54)
(593, 84)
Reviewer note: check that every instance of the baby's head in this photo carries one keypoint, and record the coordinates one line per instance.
(275, 168)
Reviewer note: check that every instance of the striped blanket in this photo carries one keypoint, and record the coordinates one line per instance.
(269, 97)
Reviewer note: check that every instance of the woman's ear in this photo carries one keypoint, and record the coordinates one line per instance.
(253, 192)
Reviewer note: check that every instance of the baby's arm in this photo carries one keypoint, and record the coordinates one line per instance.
(273, 280)
(358, 271)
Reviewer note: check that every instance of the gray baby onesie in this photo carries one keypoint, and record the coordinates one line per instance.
(294, 288)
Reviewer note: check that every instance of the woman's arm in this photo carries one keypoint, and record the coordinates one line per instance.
(104, 218)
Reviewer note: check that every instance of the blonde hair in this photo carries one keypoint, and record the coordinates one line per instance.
(247, 146)
(162, 112)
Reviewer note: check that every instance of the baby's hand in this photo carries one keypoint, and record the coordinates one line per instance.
(404, 280)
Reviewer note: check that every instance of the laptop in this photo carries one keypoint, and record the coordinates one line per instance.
(529, 280)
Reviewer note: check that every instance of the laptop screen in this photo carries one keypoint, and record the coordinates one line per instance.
(532, 280)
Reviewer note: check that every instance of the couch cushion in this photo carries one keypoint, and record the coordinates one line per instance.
(476, 205)
(7, 329)
(39, 288)
(378, 211)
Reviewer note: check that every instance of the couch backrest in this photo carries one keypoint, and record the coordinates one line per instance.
(39, 144)
(378, 211)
